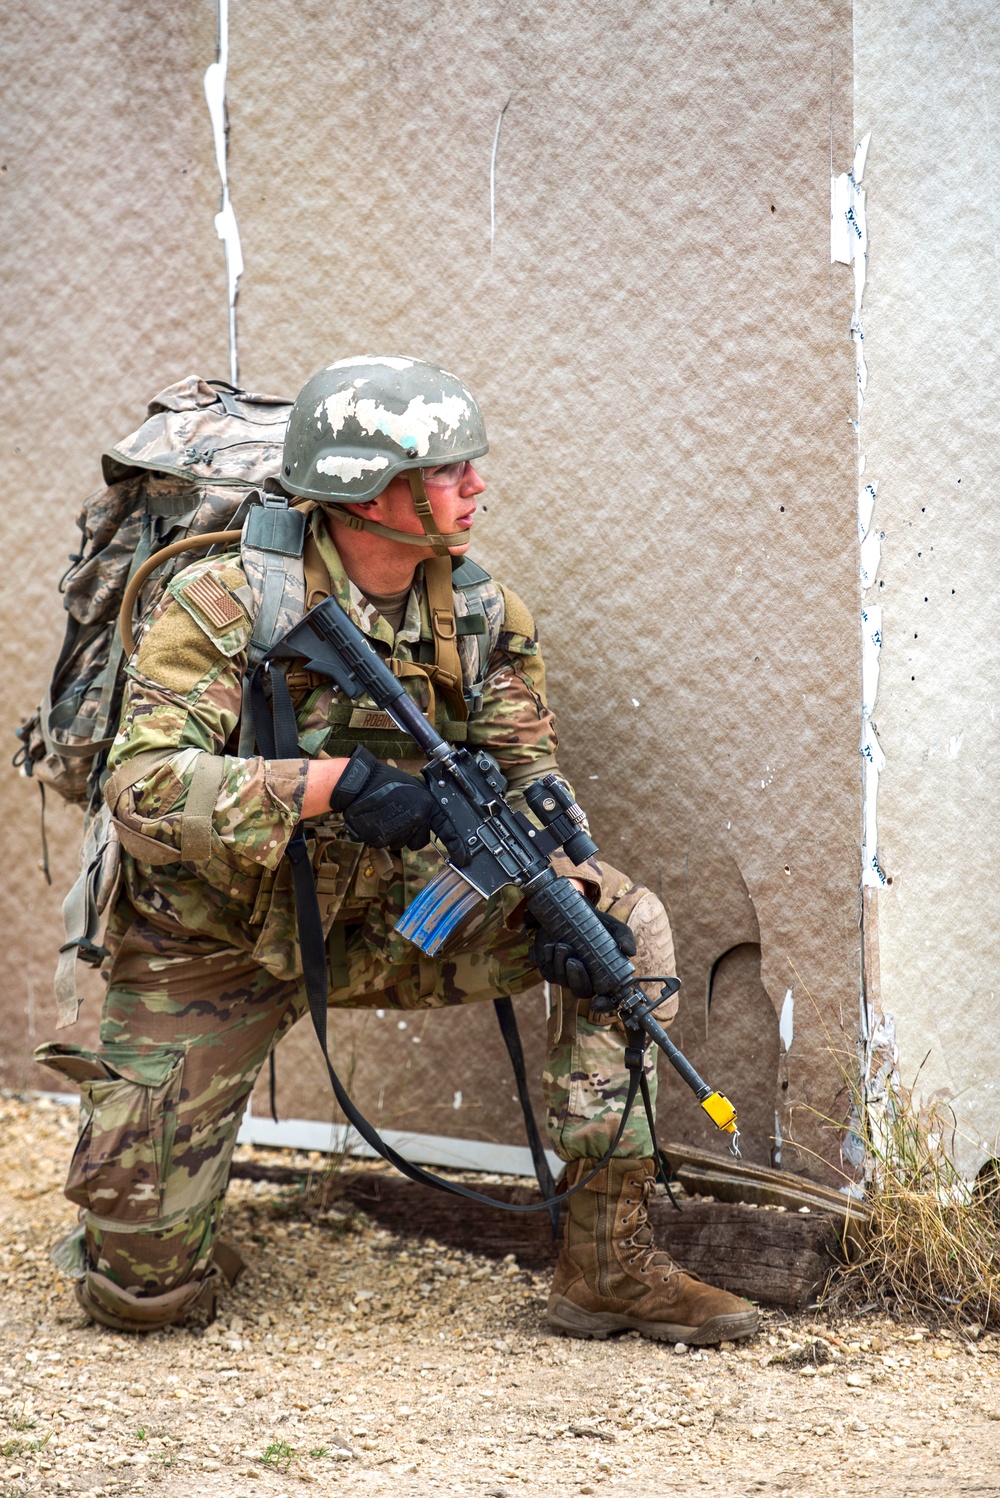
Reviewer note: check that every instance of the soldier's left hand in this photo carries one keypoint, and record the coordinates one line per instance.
(559, 963)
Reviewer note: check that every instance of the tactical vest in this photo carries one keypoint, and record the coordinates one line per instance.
(464, 616)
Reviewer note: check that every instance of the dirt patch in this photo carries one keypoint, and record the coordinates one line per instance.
(356, 1360)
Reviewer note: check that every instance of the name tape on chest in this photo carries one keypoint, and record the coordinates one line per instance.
(369, 717)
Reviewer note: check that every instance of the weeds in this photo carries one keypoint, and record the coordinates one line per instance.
(931, 1239)
(22, 1448)
(278, 1454)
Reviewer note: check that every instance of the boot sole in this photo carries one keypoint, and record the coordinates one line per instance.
(564, 1316)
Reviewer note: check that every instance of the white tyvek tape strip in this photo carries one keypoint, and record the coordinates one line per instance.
(874, 762)
(871, 644)
(866, 508)
(225, 220)
(493, 173)
(871, 555)
(873, 759)
(849, 246)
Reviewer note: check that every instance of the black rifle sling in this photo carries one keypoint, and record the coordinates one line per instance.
(661, 1169)
(278, 738)
(272, 1084)
(507, 1020)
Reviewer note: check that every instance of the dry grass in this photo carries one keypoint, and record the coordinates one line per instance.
(931, 1242)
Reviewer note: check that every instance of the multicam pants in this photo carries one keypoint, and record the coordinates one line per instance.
(185, 1030)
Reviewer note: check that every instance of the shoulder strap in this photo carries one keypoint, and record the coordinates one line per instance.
(447, 661)
(507, 1020)
(271, 552)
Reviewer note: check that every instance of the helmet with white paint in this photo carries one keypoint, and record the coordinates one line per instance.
(359, 422)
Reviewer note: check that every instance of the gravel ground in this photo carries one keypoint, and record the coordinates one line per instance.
(360, 1362)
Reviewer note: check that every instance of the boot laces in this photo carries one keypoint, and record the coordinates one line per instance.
(638, 1249)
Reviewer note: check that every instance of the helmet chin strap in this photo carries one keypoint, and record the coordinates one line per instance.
(422, 505)
(432, 535)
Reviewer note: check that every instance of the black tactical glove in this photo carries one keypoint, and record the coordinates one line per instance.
(558, 963)
(386, 808)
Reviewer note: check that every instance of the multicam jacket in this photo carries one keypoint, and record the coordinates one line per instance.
(183, 703)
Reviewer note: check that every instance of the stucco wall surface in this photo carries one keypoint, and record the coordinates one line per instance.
(113, 286)
(661, 349)
(928, 87)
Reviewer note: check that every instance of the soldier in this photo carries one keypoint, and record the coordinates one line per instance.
(204, 971)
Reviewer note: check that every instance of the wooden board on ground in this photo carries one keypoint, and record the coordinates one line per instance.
(778, 1258)
(706, 1173)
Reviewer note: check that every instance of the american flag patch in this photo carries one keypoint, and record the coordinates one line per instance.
(212, 600)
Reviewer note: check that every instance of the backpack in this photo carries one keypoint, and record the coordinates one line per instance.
(191, 467)
(194, 466)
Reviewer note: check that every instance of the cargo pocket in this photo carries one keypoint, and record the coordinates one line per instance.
(334, 864)
(128, 1103)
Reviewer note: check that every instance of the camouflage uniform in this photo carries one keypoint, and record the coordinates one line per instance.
(204, 973)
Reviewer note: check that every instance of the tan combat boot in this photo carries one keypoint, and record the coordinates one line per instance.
(610, 1278)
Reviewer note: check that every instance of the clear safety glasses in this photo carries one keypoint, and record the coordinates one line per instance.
(447, 475)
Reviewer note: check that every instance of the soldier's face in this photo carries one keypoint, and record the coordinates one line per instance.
(452, 490)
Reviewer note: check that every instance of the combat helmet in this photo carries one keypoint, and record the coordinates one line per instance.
(359, 422)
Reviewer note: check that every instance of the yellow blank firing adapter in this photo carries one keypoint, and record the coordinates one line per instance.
(721, 1111)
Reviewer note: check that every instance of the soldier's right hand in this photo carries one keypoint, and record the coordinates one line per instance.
(384, 807)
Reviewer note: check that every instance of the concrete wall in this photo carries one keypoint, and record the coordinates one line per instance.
(661, 348)
(928, 88)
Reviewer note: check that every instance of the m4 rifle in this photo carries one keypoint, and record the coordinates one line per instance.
(491, 845)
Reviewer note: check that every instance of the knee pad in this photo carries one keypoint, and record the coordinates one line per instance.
(644, 914)
(124, 1311)
(108, 1303)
